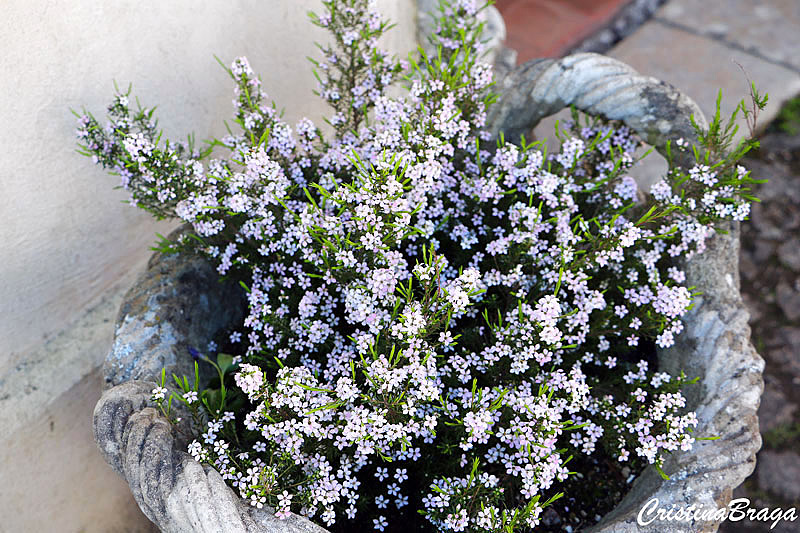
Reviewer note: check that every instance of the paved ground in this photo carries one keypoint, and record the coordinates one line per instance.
(770, 269)
(702, 46)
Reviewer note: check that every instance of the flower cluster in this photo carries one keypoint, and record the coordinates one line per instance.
(436, 321)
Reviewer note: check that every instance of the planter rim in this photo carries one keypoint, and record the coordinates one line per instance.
(153, 332)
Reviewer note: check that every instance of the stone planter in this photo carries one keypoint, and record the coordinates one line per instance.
(176, 304)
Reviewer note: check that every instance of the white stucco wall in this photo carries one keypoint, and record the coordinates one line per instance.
(65, 236)
(68, 246)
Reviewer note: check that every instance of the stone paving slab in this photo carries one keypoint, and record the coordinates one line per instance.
(776, 410)
(700, 66)
(778, 473)
(765, 28)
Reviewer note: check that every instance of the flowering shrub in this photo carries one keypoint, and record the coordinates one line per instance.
(437, 321)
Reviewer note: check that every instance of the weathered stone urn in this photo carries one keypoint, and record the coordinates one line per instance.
(177, 303)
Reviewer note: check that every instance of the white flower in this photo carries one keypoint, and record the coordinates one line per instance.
(401, 474)
(250, 379)
(380, 523)
(381, 502)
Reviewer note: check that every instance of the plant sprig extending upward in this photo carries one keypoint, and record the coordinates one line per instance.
(436, 320)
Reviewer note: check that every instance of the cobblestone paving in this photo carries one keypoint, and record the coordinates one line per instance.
(770, 269)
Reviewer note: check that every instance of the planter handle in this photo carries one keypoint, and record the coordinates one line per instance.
(599, 86)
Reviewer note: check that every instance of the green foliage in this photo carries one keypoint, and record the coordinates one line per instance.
(782, 436)
(788, 119)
